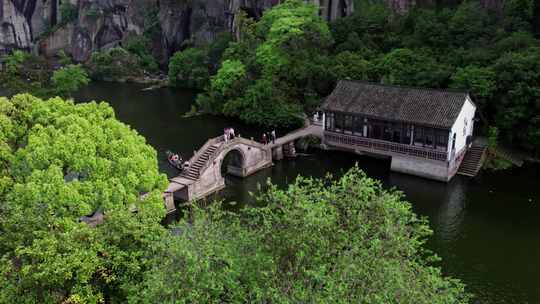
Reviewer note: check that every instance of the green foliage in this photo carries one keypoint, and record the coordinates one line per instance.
(60, 161)
(192, 67)
(349, 65)
(152, 26)
(518, 85)
(519, 14)
(69, 79)
(25, 72)
(68, 12)
(286, 50)
(493, 137)
(493, 160)
(318, 241)
(15, 61)
(412, 68)
(493, 56)
(189, 69)
(114, 64)
(229, 78)
(141, 46)
(225, 86)
(63, 58)
(481, 81)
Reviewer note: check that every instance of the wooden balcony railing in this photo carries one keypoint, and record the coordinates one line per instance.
(381, 145)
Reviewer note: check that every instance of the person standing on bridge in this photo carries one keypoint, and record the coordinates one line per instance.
(226, 133)
(264, 139)
(273, 136)
(231, 133)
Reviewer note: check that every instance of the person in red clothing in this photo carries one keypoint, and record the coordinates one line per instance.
(264, 139)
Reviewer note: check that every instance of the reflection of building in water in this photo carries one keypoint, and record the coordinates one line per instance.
(448, 221)
(444, 204)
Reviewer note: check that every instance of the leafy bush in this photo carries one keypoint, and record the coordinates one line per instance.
(114, 64)
(63, 58)
(141, 46)
(25, 72)
(69, 79)
(318, 241)
(68, 12)
(189, 69)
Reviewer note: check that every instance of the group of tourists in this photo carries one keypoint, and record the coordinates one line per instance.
(228, 134)
(267, 139)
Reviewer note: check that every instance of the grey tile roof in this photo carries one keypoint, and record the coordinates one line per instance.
(430, 107)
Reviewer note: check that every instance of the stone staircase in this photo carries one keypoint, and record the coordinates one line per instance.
(472, 162)
(197, 163)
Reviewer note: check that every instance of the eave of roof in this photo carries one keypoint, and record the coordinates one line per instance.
(422, 106)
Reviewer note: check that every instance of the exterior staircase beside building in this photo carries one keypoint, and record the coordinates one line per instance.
(473, 161)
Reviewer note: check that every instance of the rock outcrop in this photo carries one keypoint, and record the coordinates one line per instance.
(103, 24)
(15, 27)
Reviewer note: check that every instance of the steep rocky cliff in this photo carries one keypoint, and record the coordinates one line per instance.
(101, 24)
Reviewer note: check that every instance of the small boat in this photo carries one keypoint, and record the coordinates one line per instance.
(176, 164)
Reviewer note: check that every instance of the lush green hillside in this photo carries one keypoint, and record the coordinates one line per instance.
(284, 64)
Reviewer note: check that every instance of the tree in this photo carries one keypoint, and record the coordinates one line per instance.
(69, 79)
(352, 66)
(227, 84)
(519, 14)
(25, 72)
(412, 68)
(189, 69)
(481, 83)
(518, 85)
(285, 49)
(115, 64)
(61, 162)
(318, 241)
(141, 46)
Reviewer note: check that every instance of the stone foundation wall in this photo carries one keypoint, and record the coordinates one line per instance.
(437, 170)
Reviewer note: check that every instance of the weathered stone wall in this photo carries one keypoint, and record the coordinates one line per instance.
(432, 169)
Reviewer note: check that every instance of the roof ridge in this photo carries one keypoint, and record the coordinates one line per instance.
(449, 90)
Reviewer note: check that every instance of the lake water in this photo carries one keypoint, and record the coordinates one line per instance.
(487, 230)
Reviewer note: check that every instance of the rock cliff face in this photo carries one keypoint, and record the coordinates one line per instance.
(102, 24)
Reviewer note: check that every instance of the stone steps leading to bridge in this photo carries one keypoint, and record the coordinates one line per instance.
(197, 164)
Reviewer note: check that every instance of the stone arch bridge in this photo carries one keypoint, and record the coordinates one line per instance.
(204, 175)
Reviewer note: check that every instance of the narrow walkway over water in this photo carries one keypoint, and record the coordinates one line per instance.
(204, 176)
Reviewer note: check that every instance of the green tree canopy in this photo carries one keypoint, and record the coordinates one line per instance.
(61, 162)
(518, 85)
(481, 81)
(413, 68)
(69, 79)
(287, 50)
(189, 69)
(318, 241)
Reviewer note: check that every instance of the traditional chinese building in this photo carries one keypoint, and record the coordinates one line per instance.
(426, 132)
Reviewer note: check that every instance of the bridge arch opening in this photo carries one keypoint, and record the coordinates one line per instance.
(233, 163)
